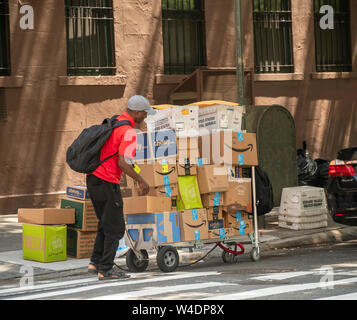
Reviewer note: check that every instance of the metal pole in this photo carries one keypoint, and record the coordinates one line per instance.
(239, 50)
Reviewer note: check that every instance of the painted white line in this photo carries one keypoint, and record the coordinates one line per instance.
(117, 283)
(349, 296)
(161, 290)
(278, 290)
(283, 275)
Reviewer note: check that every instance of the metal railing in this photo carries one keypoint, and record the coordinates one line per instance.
(184, 39)
(272, 36)
(5, 69)
(90, 37)
(333, 46)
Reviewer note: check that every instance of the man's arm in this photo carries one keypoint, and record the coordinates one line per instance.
(128, 170)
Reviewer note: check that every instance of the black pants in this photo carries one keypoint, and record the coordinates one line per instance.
(108, 205)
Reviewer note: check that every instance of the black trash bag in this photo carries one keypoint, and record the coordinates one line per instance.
(264, 192)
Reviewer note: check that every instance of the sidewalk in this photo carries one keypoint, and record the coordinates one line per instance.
(271, 237)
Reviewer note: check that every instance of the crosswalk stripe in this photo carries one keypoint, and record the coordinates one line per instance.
(115, 284)
(349, 296)
(278, 290)
(161, 290)
(283, 275)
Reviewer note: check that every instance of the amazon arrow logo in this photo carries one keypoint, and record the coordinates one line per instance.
(198, 226)
(250, 146)
(166, 173)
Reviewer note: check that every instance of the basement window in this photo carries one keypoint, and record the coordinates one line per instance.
(4, 39)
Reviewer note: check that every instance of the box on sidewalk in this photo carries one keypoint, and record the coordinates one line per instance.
(239, 194)
(229, 148)
(85, 216)
(44, 243)
(241, 222)
(80, 243)
(212, 178)
(194, 224)
(78, 192)
(167, 227)
(212, 199)
(146, 204)
(46, 216)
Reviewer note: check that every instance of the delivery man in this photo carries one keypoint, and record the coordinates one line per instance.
(104, 189)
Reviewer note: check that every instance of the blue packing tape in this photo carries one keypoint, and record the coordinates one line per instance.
(168, 190)
(199, 162)
(222, 233)
(242, 227)
(217, 196)
(166, 181)
(240, 136)
(240, 159)
(238, 215)
(197, 235)
(194, 214)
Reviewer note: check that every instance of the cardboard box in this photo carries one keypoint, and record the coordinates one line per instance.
(85, 216)
(239, 195)
(159, 173)
(48, 216)
(170, 190)
(212, 199)
(187, 150)
(233, 218)
(215, 224)
(214, 213)
(78, 192)
(217, 234)
(245, 228)
(184, 120)
(163, 144)
(212, 178)
(167, 227)
(146, 204)
(221, 116)
(229, 148)
(193, 224)
(44, 243)
(80, 244)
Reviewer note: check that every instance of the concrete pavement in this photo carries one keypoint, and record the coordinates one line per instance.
(272, 237)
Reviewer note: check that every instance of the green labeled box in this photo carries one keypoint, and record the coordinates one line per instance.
(44, 243)
(85, 217)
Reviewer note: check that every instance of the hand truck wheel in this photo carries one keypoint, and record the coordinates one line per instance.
(134, 264)
(167, 258)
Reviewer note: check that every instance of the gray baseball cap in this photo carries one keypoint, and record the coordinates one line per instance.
(140, 103)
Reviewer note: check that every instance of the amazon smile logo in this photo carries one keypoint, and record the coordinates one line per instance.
(166, 173)
(197, 226)
(250, 147)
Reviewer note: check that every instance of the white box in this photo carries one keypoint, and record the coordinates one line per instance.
(159, 121)
(303, 219)
(184, 120)
(221, 116)
(298, 199)
(302, 226)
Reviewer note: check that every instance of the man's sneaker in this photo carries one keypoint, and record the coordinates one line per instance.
(121, 251)
(112, 275)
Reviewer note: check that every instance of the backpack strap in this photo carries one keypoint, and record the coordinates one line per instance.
(116, 125)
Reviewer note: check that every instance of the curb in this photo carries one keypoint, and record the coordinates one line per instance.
(327, 237)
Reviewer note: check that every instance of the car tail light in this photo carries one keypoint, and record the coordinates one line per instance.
(345, 170)
(341, 214)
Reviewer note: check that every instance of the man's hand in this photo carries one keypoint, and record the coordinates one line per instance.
(144, 187)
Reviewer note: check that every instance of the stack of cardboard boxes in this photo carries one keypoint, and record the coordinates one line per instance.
(202, 172)
(81, 234)
(44, 233)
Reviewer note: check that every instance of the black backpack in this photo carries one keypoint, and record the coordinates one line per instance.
(83, 155)
(264, 192)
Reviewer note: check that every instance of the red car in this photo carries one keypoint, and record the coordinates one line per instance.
(342, 187)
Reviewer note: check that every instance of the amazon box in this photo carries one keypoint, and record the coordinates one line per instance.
(229, 148)
(187, 150)
(80, 244)
(239, 194)
(232, 218)
(143, 148)
(170, 190)
(46, 216)
(212, 199)
(85, 216)
(214, 213)
(78, 192)
(163, 144)
(212, 178)
(186, 169)
(220, 233)
(146, 204)
(193, 224)
(161, 227)
(159, 173)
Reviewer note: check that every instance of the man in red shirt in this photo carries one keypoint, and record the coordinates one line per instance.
(104, 190)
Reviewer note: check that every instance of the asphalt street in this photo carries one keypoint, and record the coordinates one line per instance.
(310, 273)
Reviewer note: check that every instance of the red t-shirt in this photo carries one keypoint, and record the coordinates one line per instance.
(123, 140)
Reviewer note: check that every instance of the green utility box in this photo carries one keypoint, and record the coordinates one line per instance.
(276, 140)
